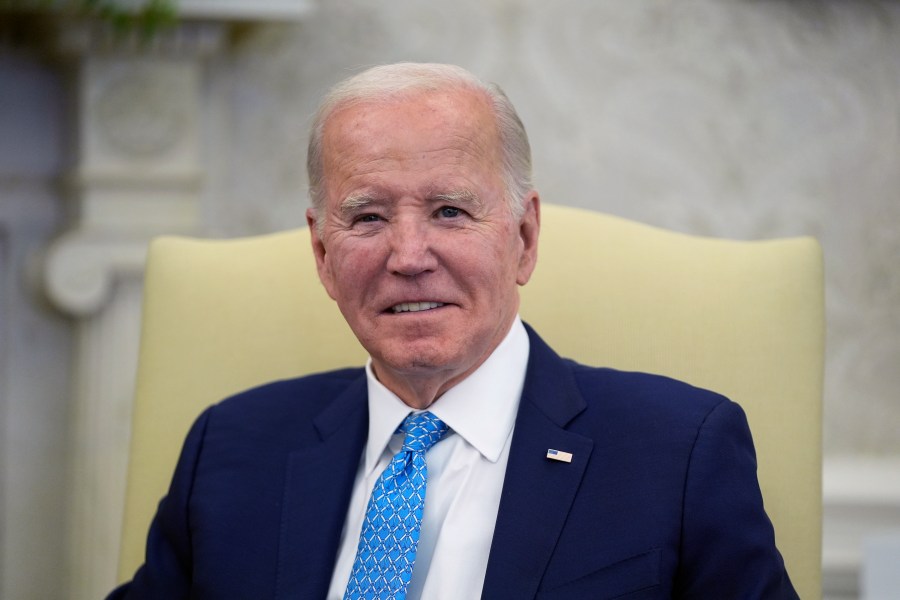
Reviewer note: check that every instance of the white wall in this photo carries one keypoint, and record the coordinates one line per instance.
(736, 118)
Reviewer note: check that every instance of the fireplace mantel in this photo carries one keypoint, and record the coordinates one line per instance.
(136, 171)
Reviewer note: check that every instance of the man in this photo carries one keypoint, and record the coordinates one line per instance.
(544, 478)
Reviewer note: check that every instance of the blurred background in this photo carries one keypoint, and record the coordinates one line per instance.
(746, 119)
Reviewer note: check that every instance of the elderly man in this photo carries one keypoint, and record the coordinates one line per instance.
(544, 478)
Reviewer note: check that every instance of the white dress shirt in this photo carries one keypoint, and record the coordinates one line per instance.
(465, 474)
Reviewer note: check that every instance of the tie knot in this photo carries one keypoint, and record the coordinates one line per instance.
(423, 430)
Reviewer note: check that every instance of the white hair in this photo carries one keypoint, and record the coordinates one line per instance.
(385, 82)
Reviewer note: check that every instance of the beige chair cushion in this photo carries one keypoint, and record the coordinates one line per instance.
(742, 318)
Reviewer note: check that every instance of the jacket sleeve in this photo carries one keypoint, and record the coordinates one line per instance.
(166, 572)
(728, 543)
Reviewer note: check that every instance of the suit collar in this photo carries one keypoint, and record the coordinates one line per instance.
(537, 492)
(347, 409)
(318, 484)
(549, 383)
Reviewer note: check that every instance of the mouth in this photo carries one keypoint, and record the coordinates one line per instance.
(404, 307)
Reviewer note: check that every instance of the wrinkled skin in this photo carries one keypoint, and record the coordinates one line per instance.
(415, 213)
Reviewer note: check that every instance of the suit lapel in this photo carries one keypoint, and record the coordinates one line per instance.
(536, 498)
(319, 482)
(537, 492)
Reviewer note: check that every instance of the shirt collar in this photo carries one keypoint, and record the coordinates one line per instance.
(481, 408)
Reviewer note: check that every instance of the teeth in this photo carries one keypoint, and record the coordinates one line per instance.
(415, 306)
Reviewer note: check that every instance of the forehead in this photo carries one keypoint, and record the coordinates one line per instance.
(410, 131)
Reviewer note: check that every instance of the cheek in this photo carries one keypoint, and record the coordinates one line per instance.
(351, 269)
(492, 269)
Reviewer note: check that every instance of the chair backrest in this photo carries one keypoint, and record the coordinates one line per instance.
(742, 318)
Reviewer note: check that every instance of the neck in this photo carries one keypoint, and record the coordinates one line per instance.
(419, 391)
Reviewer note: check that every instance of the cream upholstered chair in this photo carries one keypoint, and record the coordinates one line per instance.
(742, 318)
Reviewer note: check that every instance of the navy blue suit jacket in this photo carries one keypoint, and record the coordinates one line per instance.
(661, 498)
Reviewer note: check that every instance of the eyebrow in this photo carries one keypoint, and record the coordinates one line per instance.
(356, 202)
(464, 197)
(353, 203)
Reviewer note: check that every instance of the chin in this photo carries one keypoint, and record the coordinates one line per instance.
(417, 361)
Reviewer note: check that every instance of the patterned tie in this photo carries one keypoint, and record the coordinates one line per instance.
(390, 532)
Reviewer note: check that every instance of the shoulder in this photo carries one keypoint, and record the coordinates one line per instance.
(289, 405)
(639, 386)
(308, 388)
(668, 430)
(611, 394)
(636, 400)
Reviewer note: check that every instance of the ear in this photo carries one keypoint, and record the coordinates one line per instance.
(529, 230)
(323, 266)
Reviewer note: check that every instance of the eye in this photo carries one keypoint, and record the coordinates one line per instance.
(368, 218)
(449, 212)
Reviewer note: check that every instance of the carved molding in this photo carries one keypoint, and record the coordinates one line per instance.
(139, 115)
(138, 174)
(80, 38)
(80, 269)
(251, 10)
(142, 113)
(100, 417)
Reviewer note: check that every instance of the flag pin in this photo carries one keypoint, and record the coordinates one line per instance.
(559, 455)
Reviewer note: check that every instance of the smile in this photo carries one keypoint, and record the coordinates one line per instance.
(415, 306)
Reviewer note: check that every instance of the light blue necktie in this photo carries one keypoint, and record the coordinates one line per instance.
(390, 532)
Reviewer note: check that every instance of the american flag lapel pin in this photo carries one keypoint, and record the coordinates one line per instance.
(559, 455)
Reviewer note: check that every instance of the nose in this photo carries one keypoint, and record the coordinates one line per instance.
(410, 248)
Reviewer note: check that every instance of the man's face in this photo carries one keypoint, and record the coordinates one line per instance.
(418, 247)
